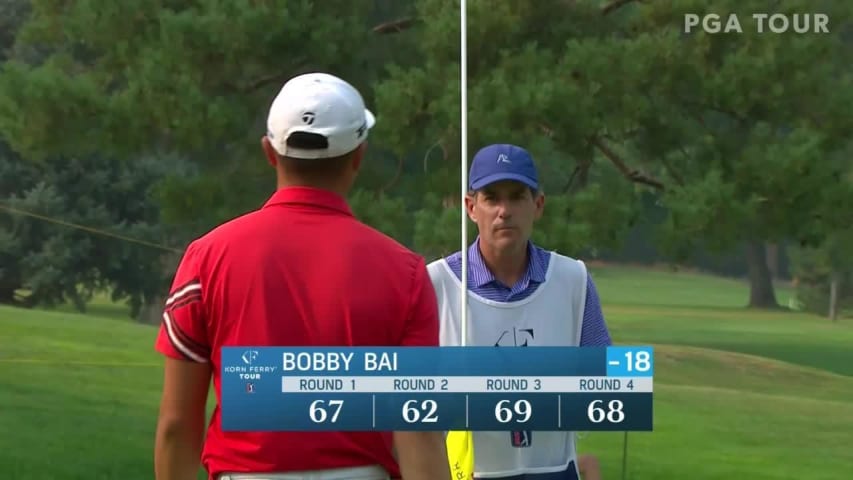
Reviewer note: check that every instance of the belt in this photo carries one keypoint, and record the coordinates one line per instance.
(354, 473)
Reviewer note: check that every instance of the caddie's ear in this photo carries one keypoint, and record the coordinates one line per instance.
(269, 152)
(469, 206)
(540, 205)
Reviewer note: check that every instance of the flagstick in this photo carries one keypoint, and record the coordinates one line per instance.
(464, 154)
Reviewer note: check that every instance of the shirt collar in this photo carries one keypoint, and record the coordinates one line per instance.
(481, 275)
(309, 196)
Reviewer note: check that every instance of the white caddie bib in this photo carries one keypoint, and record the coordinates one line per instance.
(551, 316)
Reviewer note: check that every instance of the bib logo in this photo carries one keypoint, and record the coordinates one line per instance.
(517, 337)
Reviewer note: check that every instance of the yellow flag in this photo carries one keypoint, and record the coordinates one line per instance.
(460, 453)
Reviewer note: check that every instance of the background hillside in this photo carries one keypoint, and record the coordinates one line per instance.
(738, 394)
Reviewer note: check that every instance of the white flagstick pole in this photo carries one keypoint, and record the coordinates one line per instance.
(464, 153)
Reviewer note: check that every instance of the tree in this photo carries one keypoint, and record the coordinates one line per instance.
(823, 270)
(101, 80)
(824, 275)
(733, 132)
(125, 78)
(43, 252)
(770, 137)
(12, 15)
(512, 98)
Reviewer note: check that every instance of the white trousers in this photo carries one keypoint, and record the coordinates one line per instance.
(352, 473)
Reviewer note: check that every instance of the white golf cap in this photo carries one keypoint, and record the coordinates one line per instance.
(328, 108)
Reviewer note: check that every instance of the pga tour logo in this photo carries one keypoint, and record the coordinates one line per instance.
(759, 22)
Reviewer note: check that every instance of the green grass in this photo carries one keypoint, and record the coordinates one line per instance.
(704, 311)
(635, 286)
(738, 394)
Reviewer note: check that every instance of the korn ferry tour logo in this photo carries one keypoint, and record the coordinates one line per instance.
(249, 366)
(249, 356)
(759, 22)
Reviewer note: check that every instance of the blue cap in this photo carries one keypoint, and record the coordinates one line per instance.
(502, 162)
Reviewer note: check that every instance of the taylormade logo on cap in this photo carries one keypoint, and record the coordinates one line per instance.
(322, 105)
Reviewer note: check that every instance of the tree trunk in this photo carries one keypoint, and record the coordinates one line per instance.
(833, 297)
(761, 293)
(152, 312)
(773, 260)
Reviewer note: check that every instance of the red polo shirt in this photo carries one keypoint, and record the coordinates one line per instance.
(300, 271)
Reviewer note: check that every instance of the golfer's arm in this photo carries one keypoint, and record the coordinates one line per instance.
(178, 449)
(422, 455)
(180, 426)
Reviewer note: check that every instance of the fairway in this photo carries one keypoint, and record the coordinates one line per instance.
(738, 394)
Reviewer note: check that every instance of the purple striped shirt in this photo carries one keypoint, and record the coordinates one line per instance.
(481, 281)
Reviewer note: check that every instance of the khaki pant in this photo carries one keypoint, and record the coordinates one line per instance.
(353, 473)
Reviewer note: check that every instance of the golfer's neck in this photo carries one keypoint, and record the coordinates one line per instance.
(338, 187)
(508, 266)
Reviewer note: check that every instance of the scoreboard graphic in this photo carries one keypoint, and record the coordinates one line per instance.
(437, 388)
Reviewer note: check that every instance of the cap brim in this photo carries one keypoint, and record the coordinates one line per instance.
(371, 119)
(497, 177)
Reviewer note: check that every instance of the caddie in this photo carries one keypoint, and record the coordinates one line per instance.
(519, 295)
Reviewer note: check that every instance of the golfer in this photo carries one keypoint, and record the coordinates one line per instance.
(518, 295)
(300, 271)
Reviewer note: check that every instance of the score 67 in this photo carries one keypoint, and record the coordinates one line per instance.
(319, 410)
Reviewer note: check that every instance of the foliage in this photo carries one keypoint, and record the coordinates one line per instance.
(816, 267)
(194, 78)
(12, 15)
(733, 132)
(740, 138)
(384, 213)
(55, 262)
(96, 80)
(438, 229)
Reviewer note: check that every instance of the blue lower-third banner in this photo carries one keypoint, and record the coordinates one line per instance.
(256, 411)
